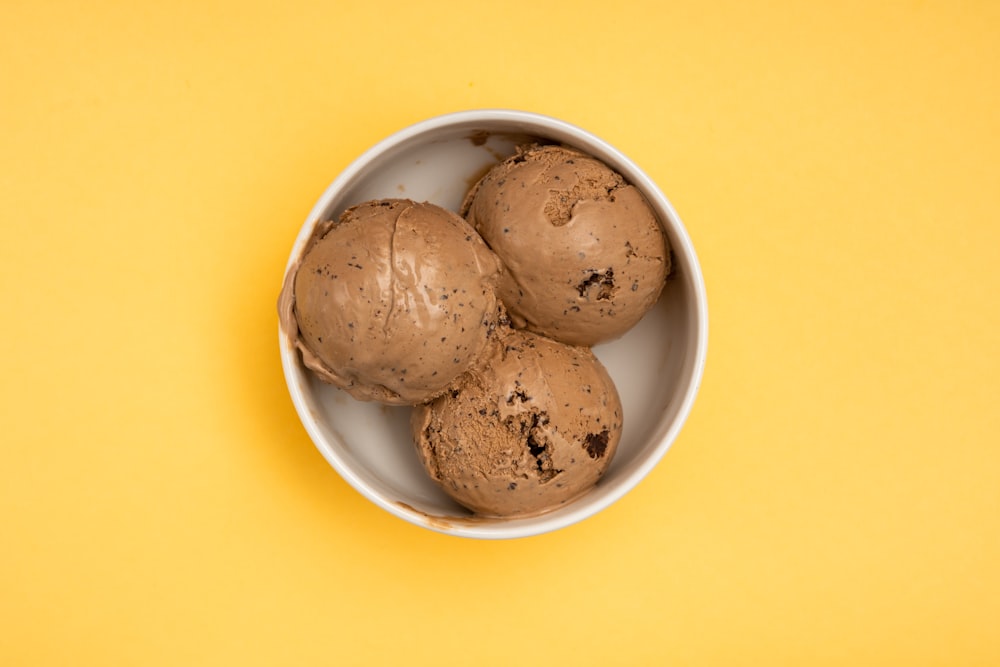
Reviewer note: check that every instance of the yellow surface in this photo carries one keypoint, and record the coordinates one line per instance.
(833, 500)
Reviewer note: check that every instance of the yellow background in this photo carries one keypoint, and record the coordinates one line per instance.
(834, 498)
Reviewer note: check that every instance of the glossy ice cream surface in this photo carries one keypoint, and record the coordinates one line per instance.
(584, 255)
(528, 431)
(393, 302)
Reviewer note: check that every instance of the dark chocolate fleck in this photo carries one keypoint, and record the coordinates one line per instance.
(596, 444)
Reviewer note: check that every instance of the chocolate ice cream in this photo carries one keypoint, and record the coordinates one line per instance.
(528, 431)
(584, 256)
(393, 302)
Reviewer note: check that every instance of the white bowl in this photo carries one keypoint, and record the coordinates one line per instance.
(657, 366)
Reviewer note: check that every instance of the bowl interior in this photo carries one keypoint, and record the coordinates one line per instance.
(656, 366)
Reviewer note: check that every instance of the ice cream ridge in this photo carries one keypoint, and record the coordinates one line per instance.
(484, 322)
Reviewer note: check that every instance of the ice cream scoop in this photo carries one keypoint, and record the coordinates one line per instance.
(584, 255)
(392, 302)
(528, 431)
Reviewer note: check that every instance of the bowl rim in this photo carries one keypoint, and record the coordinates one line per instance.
(550, 127)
